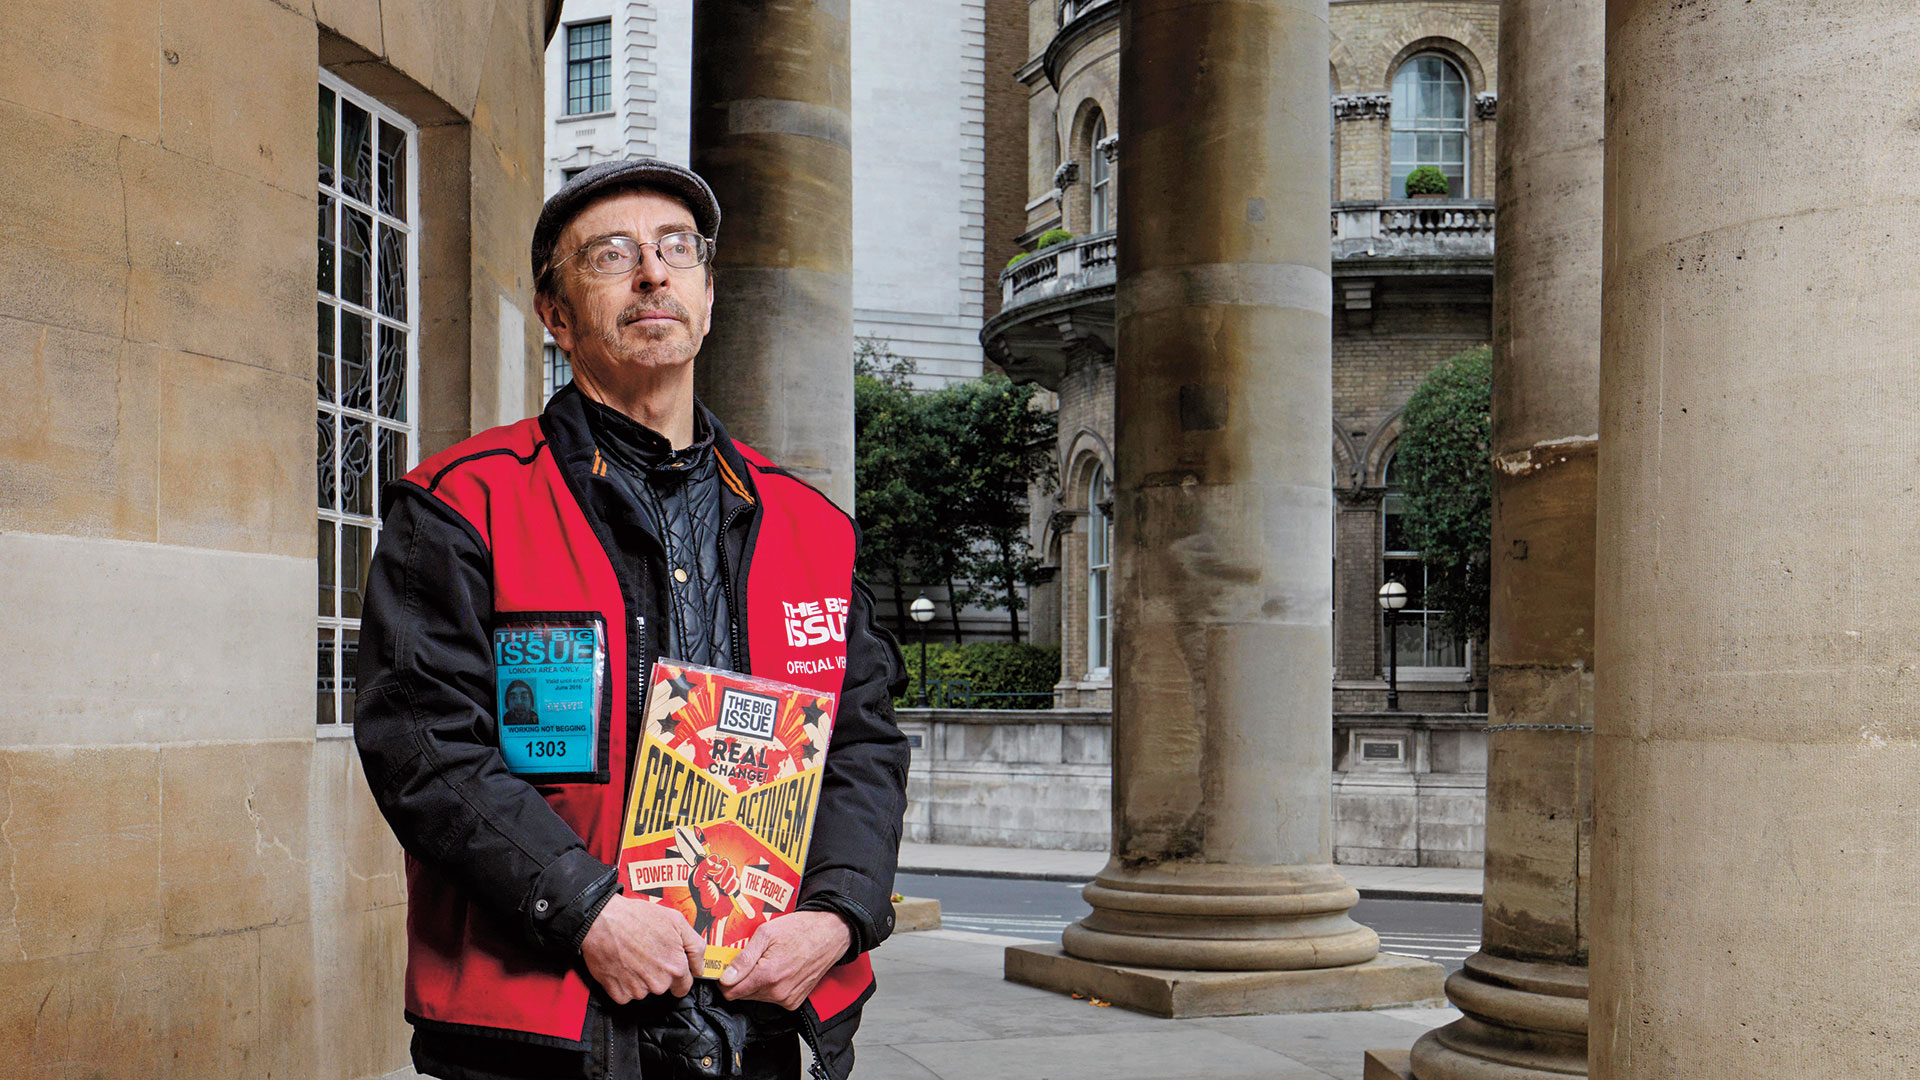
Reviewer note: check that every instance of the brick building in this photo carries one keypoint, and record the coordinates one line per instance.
(1412, 82)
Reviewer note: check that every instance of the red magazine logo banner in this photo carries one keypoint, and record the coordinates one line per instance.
(724, 791)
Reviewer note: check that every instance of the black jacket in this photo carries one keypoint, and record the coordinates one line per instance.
(426, 673)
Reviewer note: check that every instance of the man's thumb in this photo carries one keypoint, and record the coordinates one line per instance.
(744, 963)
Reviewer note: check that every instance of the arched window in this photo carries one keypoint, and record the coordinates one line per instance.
(1100, 189)
(1423, 642)
(1099, 556)
(1429, 122)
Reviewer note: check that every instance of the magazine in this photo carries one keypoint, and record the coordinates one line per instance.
(725, 783)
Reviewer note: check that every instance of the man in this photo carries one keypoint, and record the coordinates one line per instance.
(620, 526)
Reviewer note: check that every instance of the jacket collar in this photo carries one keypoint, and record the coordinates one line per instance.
(570, 437)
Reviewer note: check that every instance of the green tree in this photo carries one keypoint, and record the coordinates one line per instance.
(1444, 468)
(996, 445)
(890, 452)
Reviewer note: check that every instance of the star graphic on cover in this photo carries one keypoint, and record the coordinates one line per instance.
(809, 752)
(813, 712)
(682, 687)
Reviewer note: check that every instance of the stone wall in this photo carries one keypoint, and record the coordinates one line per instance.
(1010, 778)
(1043, 779)
(195, 883)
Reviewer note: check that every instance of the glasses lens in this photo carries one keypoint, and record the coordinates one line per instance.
(614, 255)
(683, 251)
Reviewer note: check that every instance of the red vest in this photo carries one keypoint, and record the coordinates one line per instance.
(470, 966)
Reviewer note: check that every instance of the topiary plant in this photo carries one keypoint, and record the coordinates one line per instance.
(1018, 259)
(1052, 237)
(1426, 180)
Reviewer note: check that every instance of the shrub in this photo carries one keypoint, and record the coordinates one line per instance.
(985, 667)
(1018, 259)
(1052, 237)
(1426, 180)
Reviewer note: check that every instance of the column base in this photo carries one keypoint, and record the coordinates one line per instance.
(1387, 1065)
(1523, 1021)
(1386, 981)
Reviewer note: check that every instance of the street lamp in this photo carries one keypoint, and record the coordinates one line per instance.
(1393, 597)
(922, 612)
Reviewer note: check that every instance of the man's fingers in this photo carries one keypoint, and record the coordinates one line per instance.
(682, 985)
(742, 965)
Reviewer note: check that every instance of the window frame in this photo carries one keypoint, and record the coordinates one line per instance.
(1396, 178)
(1428, 615)
(569, 112)
(1100, 539)
(1099, 177)
(336, 623)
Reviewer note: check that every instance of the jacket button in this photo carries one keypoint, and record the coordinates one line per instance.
(680, 575)
(540, 906)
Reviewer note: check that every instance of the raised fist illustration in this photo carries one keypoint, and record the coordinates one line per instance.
(713, 883)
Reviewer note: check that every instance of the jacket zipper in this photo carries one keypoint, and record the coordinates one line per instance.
(740, 659)
(818, 1070)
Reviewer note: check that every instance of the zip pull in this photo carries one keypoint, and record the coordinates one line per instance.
(817, 1069)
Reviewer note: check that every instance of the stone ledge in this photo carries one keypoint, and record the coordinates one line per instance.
(1389, 1065)
(912, 913)
(1386, 981)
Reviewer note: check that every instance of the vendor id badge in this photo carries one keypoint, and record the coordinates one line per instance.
(550, 677)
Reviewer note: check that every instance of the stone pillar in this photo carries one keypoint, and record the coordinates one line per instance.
(1756, 747)
(772, 96)
(1524, 994)
(1222, 679)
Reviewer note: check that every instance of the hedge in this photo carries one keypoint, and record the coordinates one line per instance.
(985, 667)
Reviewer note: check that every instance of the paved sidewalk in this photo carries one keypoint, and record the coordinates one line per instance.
(943, 1012)
(1374, 882)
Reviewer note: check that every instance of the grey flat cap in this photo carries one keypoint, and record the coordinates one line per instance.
(610, 176)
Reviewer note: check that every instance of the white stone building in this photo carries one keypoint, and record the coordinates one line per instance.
(619, 85)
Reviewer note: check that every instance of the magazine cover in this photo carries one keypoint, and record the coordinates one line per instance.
(724, 788)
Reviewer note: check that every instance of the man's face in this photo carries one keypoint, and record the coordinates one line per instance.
(519, 697)
(616, 325)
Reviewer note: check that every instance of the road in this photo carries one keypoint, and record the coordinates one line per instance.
(1440, 931)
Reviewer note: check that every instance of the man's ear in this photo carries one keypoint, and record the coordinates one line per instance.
(558, 317)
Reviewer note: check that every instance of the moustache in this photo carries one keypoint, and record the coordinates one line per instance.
(663, 306)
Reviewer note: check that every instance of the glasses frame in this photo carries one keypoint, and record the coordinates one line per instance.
(705, 256)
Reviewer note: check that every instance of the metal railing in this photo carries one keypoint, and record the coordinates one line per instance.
(959, 694)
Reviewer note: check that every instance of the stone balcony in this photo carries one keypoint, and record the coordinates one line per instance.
(1060, 300)
(1443, 229)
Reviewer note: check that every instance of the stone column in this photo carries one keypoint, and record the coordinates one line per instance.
(1222, 677)
(1524, 993)
(1756, 747)
(772, 97)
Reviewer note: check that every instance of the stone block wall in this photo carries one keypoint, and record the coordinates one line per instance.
(1409, 789)
(192, 881)
(1010, 778)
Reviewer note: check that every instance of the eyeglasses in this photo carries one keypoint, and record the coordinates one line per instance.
(620, 254)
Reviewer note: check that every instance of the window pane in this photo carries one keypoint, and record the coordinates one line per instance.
(1410, 639)
(329, 491)
(356, 250)
(393, 373)
(356, 360)
(393, 171)
(1443, 648)
(393, 273)
(349, 665)
(325, 559)
(356, 467)
(356, 551)
(326, 136)
(323, 363)
(356, 152)
(323, 683)
(393, 455)
(328, 242)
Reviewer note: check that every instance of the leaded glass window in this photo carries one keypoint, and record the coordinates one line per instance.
(559, 369)
(366, 375)
(1101, 187)
(1429, 122)
(590, 67)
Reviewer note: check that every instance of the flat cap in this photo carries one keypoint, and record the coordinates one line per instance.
(611, 176)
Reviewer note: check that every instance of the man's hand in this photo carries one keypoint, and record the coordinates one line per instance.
(635, 948)
(786, 958)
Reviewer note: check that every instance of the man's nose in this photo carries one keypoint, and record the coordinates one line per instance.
(651, 273)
